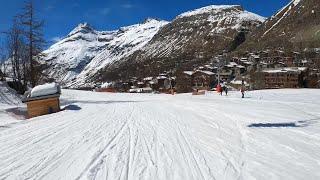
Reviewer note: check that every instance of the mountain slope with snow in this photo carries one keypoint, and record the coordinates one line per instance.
(198, 34)
(67, 58)
(76, 58)
(126, 41)
(295, 26)
(272, 134)
(87, 56)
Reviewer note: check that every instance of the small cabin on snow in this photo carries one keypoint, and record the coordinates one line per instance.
(43, 99)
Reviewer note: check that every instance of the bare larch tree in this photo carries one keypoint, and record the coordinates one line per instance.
(33, 31)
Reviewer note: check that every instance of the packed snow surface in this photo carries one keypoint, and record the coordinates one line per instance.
(45, 89)
(271, 134)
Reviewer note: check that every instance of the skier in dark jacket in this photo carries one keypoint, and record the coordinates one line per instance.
(242, 89)
(222, 88)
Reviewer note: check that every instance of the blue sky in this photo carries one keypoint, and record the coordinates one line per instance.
(61, 16)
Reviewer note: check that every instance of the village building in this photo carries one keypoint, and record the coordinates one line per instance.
(226, 75)
(290, 77)
(141, 84)
(161, 79)
(184, 82)
(42, 100)
(237, 84)
(106, 87)
(147, 80)
(203, 79)
(254, 58)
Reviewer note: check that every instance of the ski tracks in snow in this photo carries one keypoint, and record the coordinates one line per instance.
(157, 137)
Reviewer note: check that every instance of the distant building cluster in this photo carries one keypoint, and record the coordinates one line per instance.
(259, 70)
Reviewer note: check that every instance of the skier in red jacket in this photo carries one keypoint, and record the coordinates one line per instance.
(219, 89)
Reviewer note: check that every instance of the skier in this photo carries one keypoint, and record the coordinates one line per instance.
(226, 90)
(242, 89)
(222, 88)
(218, 88)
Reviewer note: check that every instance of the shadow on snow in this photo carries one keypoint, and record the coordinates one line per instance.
(285, 125)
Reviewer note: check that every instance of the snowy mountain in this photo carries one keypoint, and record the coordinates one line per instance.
(86, 55)
(197, 34)
(295, 26)
(76, 58)
(206, 29)
(71, 55)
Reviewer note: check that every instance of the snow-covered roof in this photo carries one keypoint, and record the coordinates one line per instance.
(162, 77)
(106, 85)
(45, 89)
(208, 66)
(148, 78)
(285, 69)
(233, 63)
(207, 72)
(247, 62)
(190, 73)
(240, 66)
(140, 90)
(238, 82)
(255, 56)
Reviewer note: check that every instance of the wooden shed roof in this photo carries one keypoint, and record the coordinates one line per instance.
(28, 99)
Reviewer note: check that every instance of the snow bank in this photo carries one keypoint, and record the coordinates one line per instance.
(8, 96)
(45, 89)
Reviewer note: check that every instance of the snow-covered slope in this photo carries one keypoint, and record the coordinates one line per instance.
(215, 10)
(273, 134)
(201, 33)
(68, 57)
(295, 26)
(126, 41)
(8, 96)
(84, 51)
(9, 99)
(80, 58)
(209, 25)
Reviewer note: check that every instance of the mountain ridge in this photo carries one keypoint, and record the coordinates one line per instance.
(85, 54)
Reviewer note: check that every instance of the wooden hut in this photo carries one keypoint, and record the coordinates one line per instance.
(42, 100)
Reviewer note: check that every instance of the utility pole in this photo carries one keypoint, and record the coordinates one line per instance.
(219, 68)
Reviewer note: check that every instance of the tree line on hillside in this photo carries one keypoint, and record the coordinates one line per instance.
(24, 42)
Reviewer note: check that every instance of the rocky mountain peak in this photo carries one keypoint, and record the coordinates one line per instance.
(148, 20)
(82, 28)
(212, 9)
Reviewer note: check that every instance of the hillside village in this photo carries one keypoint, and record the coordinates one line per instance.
(259, 70)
